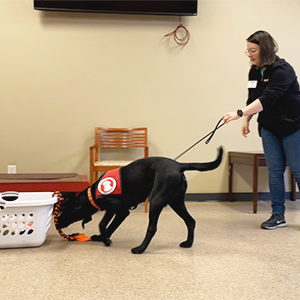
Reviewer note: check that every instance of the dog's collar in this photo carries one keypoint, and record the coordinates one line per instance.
(91, 199)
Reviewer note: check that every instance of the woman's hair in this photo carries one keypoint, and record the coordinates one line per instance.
(267, 47)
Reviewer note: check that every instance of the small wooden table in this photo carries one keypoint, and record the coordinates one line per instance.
(255, 160)
(45, 182)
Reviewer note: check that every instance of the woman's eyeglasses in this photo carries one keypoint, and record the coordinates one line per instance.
(250, 51)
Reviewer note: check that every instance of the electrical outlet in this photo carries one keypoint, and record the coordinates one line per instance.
(11, 169)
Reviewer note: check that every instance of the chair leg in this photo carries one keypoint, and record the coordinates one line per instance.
(91, 177)
(146, 205)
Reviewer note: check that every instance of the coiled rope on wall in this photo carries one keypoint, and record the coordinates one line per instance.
(181, 41)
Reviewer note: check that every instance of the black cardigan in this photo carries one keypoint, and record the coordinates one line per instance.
(278, 92)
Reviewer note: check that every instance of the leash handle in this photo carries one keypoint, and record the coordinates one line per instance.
(214, 131)
(211, 134)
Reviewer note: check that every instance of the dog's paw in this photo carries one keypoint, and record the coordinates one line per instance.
(99, 238)
(137, 250)
(96, 238)
(186, 244)
(107, 242)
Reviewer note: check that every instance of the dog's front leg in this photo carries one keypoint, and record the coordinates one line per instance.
(155, 210)
(103, 237)
(114, 209)
(120, 216)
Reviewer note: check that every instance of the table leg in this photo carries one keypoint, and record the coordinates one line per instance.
(255, 184)
(230, 167)
(293, 188)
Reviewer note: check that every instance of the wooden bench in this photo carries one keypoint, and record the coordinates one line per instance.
(44, 182)
(255, 160)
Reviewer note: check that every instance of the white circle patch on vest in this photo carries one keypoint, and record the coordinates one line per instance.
(107, 185)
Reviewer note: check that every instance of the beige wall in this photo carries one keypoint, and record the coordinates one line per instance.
(63, 74)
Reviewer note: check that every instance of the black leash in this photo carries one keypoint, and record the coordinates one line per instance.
(207, 141)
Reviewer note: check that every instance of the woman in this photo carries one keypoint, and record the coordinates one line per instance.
(274, 94)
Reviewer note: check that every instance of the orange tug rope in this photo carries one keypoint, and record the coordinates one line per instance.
(73, 237)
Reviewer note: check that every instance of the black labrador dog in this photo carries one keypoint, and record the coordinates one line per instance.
(159, 179)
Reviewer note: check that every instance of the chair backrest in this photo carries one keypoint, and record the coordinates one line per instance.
(121, 138)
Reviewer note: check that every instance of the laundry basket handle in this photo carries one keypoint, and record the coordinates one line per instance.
(10, 196)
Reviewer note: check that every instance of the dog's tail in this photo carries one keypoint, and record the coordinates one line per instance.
(203, 166)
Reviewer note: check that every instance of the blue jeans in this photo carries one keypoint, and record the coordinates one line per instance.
(277, 151)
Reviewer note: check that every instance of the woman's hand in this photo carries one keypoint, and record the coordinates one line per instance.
(248, 111)
(230, 116)
(245, 127)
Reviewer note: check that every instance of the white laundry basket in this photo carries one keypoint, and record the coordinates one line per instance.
(25, 218)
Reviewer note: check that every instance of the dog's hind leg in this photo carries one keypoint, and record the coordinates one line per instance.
(165, 190)
(179, 207)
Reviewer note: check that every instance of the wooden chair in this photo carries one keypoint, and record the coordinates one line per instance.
(112, 139)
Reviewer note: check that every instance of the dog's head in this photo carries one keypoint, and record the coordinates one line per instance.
(73, 209)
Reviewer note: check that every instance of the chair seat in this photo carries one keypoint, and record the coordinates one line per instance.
(106, 163)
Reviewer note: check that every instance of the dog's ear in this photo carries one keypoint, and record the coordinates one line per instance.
(66, 202)
(86, 220)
